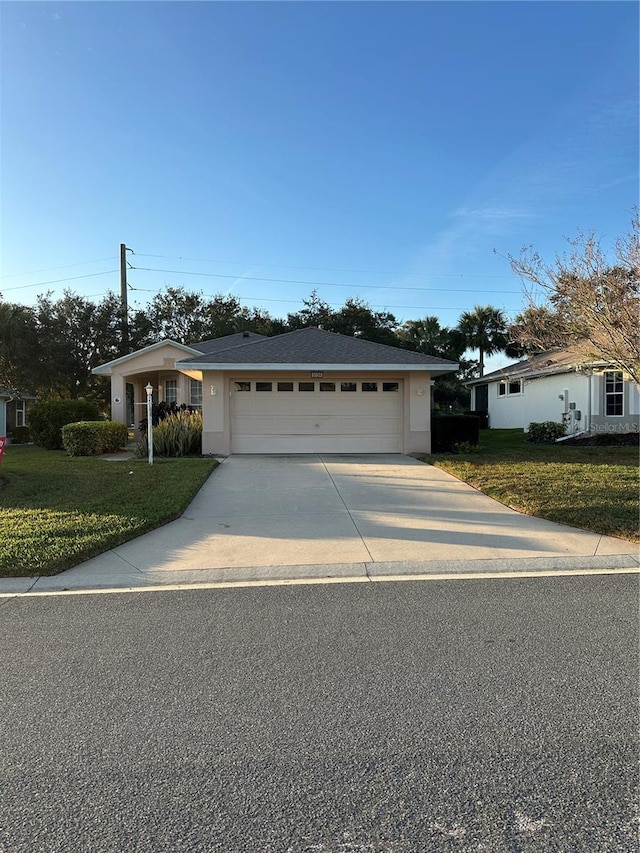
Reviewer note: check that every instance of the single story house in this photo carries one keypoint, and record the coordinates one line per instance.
(13, 409)
(559, 385)
(308, 391)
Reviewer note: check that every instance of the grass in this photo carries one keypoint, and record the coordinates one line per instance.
(594, 488)
(56, 511)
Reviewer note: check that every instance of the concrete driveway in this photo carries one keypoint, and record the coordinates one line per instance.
(265, 517)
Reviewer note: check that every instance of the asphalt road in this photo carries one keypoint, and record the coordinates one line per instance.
(486, 715)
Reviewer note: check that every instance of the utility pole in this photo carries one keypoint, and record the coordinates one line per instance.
(124, 307)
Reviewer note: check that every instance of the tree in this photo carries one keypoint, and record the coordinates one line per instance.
(429, 337)
(484, 329)
(585, 299)
(536, 329)
(316, 312)
(18, 347)
(74, 335)
(357, 320)
(179, 315)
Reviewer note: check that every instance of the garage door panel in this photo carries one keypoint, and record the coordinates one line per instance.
(316, 422)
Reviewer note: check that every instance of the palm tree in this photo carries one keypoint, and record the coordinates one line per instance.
(484, 329)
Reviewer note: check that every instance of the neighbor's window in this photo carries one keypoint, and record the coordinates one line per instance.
(502, 389)
(242, 386)
(515, 387)
(171, 391)
(195, 393)
(285, 386)
(327, 386)
(263, 386)
(306, 386)
(348, 386)
(369, 386)
(21, 413)
(613, 393)
(390, 386)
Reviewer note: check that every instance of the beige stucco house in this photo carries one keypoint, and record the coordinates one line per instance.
(308, 391)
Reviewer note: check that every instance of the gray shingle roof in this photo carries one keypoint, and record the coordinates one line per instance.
(228, 341)
(546, 363)
(313, 346)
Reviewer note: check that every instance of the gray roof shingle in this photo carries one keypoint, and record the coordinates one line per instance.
(312, 346)
(227, 342)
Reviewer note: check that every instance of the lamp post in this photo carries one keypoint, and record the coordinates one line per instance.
(149, 390)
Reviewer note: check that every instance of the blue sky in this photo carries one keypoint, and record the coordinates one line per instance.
(372, 150)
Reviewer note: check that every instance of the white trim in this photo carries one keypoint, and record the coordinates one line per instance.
(352, 368)
(105, 369)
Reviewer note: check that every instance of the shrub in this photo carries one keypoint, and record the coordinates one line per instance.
(89, 438)
(178, 434)
(47, 418)
(447, 431)
(547, 432)
(483, 415)
(20, 435)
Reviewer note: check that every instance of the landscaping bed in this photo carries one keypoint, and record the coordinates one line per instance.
(57, 511)
(591, 487)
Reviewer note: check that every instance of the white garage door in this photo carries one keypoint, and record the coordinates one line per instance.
(271, 416)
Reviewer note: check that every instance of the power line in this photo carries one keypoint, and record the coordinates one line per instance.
(330, 304)
(64, 266)
(327, 269)
(57, 281)
(315, 283)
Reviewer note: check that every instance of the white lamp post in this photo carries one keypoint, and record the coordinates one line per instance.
(149, 390)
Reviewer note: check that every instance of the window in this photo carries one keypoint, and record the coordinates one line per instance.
(502, 389)
(195, 393)
(242, 386)
(327, 386)
(171, 391)
(264, 386)
(369, 386)
(306, 386)
(613, 393)
(285, 386)
(348, 386)
(21, 413)
(514, 387)
(390, 386)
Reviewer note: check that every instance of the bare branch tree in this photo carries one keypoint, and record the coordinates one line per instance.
(584, 299)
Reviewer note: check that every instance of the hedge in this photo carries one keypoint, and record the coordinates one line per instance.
(447, 431)
(46, 419)
(89, 438)
(546, 432)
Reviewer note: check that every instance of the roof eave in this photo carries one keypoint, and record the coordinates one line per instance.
(297, 366)
(105, 369)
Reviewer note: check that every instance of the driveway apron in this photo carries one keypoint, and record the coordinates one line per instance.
(265, 517)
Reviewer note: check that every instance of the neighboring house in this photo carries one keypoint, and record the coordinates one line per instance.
(13, 409)
(308, 391)
(559, 385)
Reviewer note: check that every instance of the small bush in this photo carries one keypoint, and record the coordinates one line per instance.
(89, 438)
(47, 418)
(178, 434)
(483, 415)
(447, 431)
(547, 432)
(20, 435)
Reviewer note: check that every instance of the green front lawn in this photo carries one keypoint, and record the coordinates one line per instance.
(56, 511)
(595, 488)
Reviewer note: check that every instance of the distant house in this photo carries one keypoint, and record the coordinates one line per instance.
(559, 385)
(308, 391)
(13, 409)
